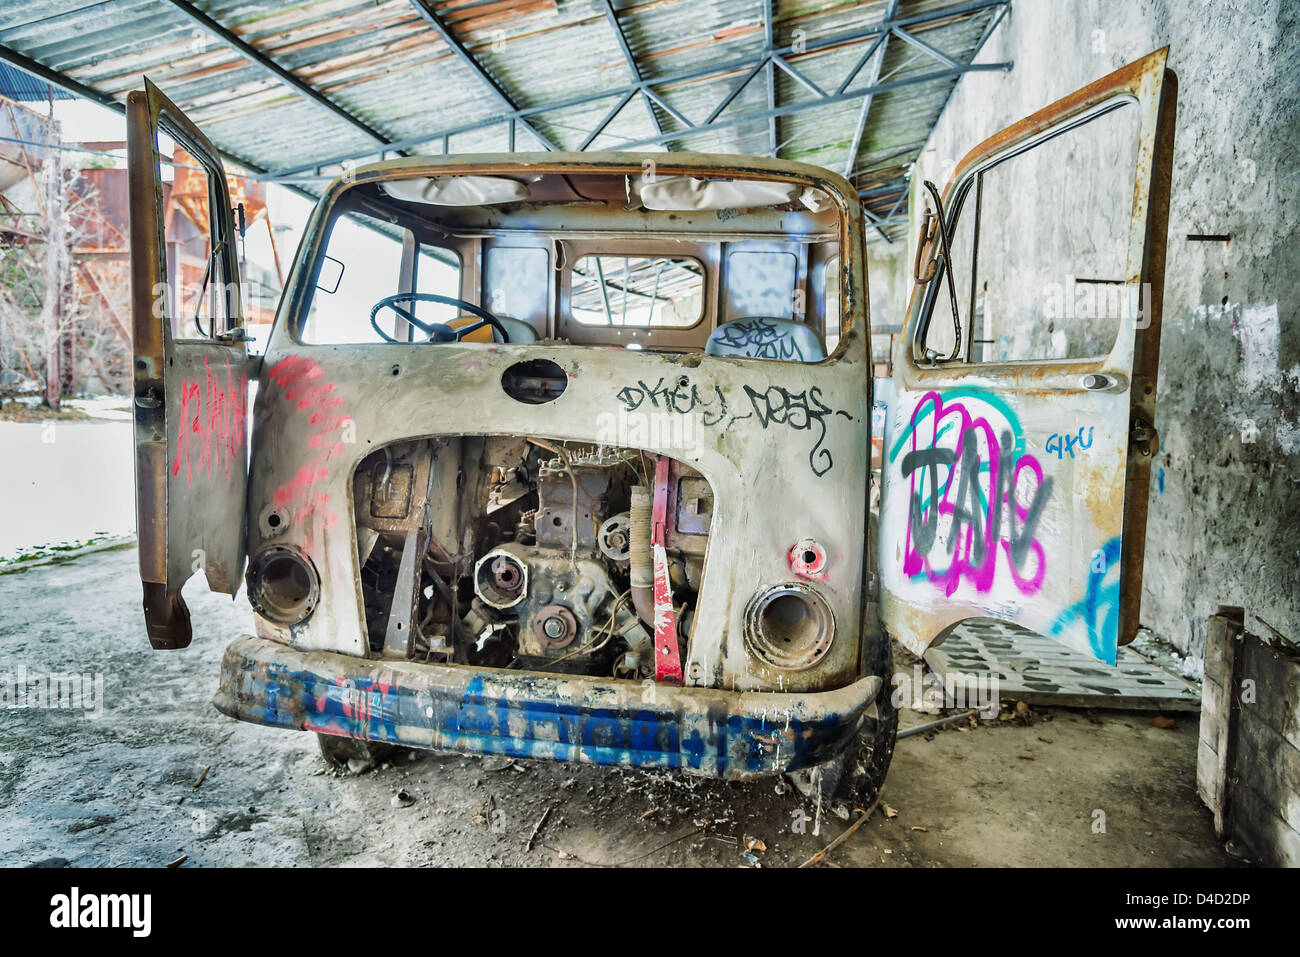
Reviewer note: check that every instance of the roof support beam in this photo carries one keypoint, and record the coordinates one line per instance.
(600, 127)
(462, 53)
(924, 47)
(876, 35)
(54, 78)
(770, 70)
(798, 77)
(752, 117)
(878, 48)
(247, 50)
(63, 82)
(632, 65)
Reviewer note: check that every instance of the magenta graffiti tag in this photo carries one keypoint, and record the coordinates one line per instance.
(947, 486)
(211, 428)
(300, 380)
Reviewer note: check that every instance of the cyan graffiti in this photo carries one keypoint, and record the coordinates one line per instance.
(1062, 444)
(968, 477)
(1098, 610)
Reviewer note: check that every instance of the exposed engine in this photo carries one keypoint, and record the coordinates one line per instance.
(521, 552)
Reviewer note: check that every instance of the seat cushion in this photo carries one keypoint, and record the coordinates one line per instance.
(517, 329)
(760, 338)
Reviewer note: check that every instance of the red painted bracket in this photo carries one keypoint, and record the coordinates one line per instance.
(668, 661)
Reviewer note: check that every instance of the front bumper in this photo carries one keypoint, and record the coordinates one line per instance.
(724, 734)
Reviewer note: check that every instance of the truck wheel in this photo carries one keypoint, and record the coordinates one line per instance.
(854, 779)
(338, 751)
(867, 762)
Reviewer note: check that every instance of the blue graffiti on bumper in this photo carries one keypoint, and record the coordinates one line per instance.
(475, 719)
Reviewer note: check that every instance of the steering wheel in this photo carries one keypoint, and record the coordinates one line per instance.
(436, 331)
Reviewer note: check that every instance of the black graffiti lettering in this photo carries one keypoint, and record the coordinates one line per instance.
(712, 419)
(966, 511)
(681, 398)
(775, 406)
(800, 411)
(631, 397)
(759, 339)
(926, 525)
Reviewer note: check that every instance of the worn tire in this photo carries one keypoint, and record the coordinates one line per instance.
(338, 751)
(866, 762)
(854, 779)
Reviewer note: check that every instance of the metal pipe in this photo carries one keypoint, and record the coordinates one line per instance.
(640, 558)
(942, 722)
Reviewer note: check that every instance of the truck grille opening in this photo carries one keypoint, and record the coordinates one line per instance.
(525, 552)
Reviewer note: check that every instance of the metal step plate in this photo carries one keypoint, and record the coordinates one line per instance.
(1038, 670)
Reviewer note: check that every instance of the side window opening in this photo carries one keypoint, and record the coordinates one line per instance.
(367, 259)
(1058, 289)
(197, 283)
(831, 302)
(647, 292)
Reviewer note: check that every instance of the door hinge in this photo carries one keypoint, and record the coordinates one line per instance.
(1143, 437)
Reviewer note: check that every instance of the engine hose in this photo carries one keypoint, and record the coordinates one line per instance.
(640, 558)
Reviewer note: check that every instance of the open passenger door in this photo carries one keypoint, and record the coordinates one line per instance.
(1018, 452)
(191, 368)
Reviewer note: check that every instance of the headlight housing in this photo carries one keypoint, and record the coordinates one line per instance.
(283, 584)
(789, 626)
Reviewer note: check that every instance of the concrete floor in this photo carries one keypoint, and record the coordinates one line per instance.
(119, 789)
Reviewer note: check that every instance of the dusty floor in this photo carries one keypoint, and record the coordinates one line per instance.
(119, 789)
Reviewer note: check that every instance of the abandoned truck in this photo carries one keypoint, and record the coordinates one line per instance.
(604, 496)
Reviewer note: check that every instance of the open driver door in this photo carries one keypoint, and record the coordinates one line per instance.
(1018, 452)
(190, 368)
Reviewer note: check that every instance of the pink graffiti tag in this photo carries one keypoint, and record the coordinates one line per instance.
(212, 425)
(309, 396)
(980, 515)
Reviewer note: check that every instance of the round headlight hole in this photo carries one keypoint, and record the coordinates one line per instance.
(789, 626)
(283, 585)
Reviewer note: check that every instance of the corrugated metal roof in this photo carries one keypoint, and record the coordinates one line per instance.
(25, 88)
(559, 62)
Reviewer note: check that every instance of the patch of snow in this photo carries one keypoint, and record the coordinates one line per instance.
(114, 407)
(64, 483)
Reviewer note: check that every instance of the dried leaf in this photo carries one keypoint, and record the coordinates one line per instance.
(1025, 757)
(888, 811)
(1160, 721)
(754, 844)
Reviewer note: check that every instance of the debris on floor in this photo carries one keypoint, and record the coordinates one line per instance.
(1037, 670)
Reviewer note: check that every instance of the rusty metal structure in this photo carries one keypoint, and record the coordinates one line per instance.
(852, 86)
(1017, 490)
(91, 205)
(507, 517)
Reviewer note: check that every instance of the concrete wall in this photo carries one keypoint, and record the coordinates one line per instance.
(1224, 525)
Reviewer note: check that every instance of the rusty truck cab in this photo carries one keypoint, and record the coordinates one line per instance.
(567, 455)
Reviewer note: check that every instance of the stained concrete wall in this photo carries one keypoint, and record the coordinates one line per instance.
(1224, 524)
